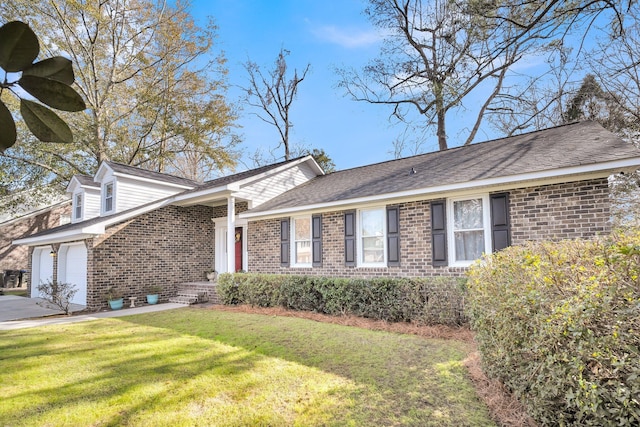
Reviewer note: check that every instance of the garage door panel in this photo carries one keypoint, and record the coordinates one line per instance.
(72, 268)
(42, 269)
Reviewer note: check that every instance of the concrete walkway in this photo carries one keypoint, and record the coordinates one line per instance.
(29, 314)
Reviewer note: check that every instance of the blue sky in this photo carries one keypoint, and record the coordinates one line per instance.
(326, 34)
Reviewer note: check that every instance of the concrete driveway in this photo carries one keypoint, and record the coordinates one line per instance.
(16, 308)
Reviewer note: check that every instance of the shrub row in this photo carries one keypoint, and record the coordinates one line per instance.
(559, 324)
(425, 301)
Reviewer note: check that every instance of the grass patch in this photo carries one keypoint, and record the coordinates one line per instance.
(208, 367)
(19, 292)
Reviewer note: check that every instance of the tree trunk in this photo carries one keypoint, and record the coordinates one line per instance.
(441, 131)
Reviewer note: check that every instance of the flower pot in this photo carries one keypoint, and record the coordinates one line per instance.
(152, 299)
(116, 304)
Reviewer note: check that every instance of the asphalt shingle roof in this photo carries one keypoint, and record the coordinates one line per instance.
(555, 148)
(87, 180)
(143, 173)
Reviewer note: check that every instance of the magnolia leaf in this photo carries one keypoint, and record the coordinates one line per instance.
(53, 93)
(56, 68)
(19, 46)
(44, 123)
(7, 128)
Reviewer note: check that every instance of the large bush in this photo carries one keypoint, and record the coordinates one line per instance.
(559, 324)
(427, 301)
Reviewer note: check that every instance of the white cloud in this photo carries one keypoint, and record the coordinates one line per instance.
(347, 38)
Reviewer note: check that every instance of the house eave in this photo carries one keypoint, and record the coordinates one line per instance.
(61, 237)
(554, 176)
(202, 197)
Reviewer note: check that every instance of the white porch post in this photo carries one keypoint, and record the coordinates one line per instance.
(231, 234)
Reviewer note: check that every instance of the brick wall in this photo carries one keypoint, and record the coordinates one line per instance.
(17, 257)
(221, 211)
(164, 247)
(573, 210)
(561, 211)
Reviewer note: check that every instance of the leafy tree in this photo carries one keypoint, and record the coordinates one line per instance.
(49, 81)
(273, 94)
(153, 87)
(323, 159)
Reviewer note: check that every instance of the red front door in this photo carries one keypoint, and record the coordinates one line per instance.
(238, 248)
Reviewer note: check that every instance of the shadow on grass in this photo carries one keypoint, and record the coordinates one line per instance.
(397, 375)
(194, 366)
(117, 373)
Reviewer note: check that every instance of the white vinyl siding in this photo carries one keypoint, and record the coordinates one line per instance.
(372, 237)
(266, 189)
(469, 232)
(131, 194)
(91, 203)
(301, 236)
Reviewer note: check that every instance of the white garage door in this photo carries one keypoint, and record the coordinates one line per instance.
(41, 268)
(72, 268)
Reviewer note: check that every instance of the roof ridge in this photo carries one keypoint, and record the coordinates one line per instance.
(465, 146)
(139, 168)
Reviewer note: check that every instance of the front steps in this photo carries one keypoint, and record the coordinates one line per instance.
(196, 292)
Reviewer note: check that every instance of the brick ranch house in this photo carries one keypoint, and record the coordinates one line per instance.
(426, 215)
(27, 221)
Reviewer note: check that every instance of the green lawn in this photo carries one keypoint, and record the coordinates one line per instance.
(207, 367)
(19, 292)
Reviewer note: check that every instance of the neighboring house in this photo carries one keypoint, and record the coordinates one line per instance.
(32, 219)
(427, 215)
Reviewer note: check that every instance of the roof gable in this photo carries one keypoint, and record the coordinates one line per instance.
(82, 181)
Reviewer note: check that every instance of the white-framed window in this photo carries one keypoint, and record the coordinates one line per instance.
(301, 247)
(77, 206)
(372, 240)
(469, 229)
(108, 197)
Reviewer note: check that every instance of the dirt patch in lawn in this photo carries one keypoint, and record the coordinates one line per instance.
(504, 408)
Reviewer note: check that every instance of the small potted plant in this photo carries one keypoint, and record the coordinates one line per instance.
(153, 293)
(115, 298)
(211, 275)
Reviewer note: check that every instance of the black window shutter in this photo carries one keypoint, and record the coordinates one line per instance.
(285, 248)
(393, 236)
(438, 233)
(316, 240)
(500, 224)
(350, 238)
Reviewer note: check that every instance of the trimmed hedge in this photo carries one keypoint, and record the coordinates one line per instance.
(427, 301)
(559, 325)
